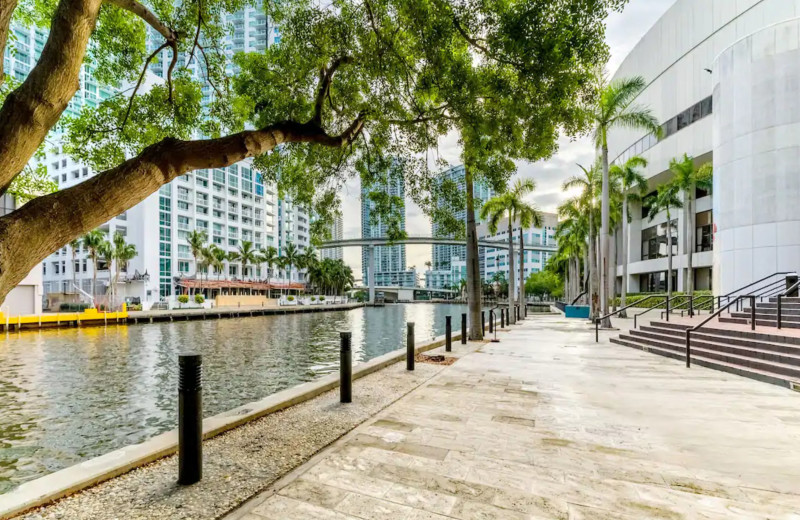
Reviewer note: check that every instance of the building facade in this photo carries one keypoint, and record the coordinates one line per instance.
(389, 262)
(535, 261)
(448, 262)
(723, 79)
(231, 205)
(337, 233)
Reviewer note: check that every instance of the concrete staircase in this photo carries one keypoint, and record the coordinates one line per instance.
(767, 314)
(766, 356)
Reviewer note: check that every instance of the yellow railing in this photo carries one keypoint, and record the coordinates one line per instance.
(89, 315)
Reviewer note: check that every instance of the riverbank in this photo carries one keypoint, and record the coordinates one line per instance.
(237, 464)
(94, 318)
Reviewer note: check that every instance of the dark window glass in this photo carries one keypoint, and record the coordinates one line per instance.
(684, 119)
(704, 232)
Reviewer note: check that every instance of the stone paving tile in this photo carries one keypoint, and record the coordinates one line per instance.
(547, 424)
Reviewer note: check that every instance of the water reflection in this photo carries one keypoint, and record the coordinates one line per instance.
(70, 394)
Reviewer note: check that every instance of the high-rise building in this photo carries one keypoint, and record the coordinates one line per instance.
(337, 233)
(231, 205)
(443, 274)
(534, 261)
(389, 261)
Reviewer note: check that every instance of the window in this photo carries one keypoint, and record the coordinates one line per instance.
(183, 266)
(654, 241)
(704, 232)
(63, 177)
(76, 174)
(656, 282)
(86, 172)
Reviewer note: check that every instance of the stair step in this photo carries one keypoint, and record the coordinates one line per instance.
(757, 350)
(698, 358)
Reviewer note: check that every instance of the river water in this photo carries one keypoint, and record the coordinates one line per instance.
(67, 395)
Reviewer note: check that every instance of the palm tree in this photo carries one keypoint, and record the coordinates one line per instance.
(527, 215)
(688, 179)
(586, 205)
(231, 256)
(197, 241)
(122, 254)
(292, 257)
(498, 207)
(269, 256)
(615, 108)
(281, 263)
(216, 258)
(667, 199)
(308, 259)
(92, 242)
(73, 247)
(572, 235)
(246, 255)
(633, 186)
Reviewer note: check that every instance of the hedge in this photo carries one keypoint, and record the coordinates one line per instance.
(702, 301)
(74, 307)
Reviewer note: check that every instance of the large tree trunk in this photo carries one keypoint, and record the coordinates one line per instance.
(690, 228)
(604, 239)
(32, 109)
(27, 235)
(625, 255)
(512, 276)
(6, 11)
(612, 272)
(521, 270)
(473, 265)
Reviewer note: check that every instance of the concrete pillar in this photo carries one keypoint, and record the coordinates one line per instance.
(371, 273)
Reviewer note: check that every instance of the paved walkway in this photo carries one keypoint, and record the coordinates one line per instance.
(548, 424)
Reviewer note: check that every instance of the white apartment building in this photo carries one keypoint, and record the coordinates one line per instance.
(724, 78)
(535, 261)
(231, 205)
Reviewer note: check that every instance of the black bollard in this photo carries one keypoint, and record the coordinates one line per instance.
(410, 351)
(463, 328)
(448, 334)
(190, 418)
(483, 322)
(345, 368)
(491, 321)
(502, 318)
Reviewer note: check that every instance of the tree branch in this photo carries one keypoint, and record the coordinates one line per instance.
(325, 78)
(139, 83)
(28, 235)
(147, 15)
(6, 12)
(476, 42)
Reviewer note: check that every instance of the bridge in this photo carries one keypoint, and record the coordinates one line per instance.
(372, 243)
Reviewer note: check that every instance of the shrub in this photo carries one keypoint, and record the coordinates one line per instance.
(135, 307)
(183, 298)
(199, 299)
(314, 298)
(290, 298)
(322, 298)
(702, 300)
(73, 307)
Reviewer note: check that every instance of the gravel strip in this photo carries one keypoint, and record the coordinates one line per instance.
(242, 462)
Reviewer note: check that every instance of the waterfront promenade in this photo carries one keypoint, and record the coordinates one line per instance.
(548, 424)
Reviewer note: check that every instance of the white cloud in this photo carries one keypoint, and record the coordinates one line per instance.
(624, 31)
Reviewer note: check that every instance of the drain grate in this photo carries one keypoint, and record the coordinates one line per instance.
(794, 386)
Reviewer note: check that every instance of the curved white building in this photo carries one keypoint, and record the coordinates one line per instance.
(724, 79)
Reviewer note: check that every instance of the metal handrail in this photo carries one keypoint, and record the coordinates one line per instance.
(581, 295)
(781, 295)
(711, 317)
(598, 320)
(666, 303)
(757, 281)
(691, 302)
(766, 289)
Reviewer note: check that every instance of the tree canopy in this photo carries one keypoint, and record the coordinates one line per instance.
(352, 86)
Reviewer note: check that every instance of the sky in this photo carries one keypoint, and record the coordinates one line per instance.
(624, 30)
